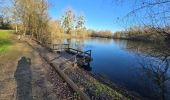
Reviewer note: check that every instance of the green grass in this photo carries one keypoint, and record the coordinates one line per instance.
(5, 40)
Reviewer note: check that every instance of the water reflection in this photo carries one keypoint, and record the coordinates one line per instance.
(154, 50)
(100, 40)
(75, 43)
(158, 74)
(154, 66)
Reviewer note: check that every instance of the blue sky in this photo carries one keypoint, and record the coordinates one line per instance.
(103, 14)
(99, 14)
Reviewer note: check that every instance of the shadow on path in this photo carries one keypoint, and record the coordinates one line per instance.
(23, 77)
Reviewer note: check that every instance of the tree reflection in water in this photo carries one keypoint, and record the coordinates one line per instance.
(155, 66)
(76, 43)
(157, 72)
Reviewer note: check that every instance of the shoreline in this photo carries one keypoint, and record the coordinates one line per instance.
(134, 39)
(132, 95)
(90, 79)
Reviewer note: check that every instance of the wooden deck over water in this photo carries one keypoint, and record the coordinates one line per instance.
(77, 57)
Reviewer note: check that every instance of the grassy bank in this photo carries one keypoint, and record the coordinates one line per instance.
(5, 40)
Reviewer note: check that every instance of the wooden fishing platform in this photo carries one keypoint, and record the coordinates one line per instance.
(78, 57)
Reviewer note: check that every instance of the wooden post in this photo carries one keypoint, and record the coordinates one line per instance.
(68, 48)
(53, 46)
(75, 62)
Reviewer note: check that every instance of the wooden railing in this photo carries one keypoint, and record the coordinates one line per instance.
(83, 53)
(74, 59)
(59, 47)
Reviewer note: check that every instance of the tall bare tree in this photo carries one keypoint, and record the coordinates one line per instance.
(68, 21)
(80, 24)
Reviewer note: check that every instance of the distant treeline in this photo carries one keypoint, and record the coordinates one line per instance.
(146, 33)
(4, 23)
(136, 33)
(101, 34)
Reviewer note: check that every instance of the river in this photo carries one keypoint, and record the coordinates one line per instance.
(139, 67)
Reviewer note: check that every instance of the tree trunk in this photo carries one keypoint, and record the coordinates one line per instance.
(16, 28)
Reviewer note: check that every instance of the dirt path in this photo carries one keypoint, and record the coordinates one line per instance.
(25, 76)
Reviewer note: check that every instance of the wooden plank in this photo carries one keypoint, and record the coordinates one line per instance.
(68, 80)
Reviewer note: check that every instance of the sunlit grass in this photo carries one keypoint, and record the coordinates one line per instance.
(5, 41)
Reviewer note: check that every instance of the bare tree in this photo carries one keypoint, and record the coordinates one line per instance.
(155, 13)
(33, 15)
(68, 21)
(80, 25)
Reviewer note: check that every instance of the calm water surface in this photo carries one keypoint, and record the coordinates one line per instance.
(136, 66)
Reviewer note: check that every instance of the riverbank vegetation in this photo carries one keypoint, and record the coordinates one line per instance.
(101, 34)
(146, 33)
